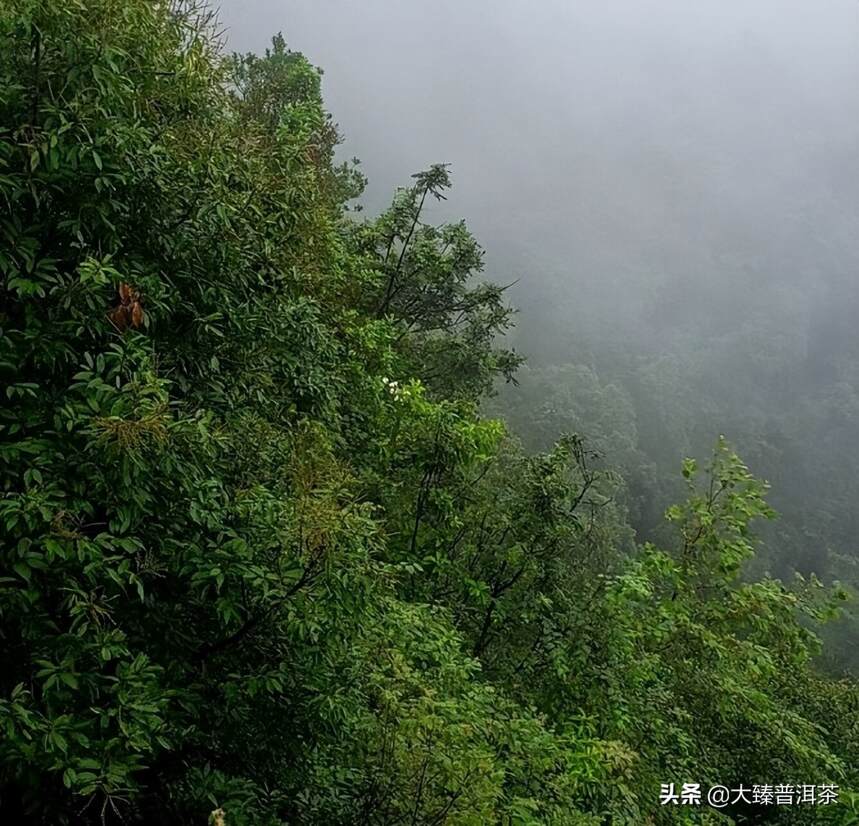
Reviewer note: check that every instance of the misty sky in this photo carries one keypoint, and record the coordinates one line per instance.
(606, 152)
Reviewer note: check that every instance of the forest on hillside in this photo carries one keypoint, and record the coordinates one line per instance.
(290, 533)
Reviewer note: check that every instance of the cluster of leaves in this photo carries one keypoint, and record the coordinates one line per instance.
(259, 553)
(644, 411)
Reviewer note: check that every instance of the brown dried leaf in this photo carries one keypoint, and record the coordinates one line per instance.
(136, 314)
(119, 316)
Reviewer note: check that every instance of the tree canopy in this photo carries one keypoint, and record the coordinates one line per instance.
(262, 554)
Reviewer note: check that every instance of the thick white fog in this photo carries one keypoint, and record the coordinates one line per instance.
(604, 152)
(675, 186)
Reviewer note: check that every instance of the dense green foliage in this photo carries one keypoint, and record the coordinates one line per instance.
(260, 551)
(795, 423)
